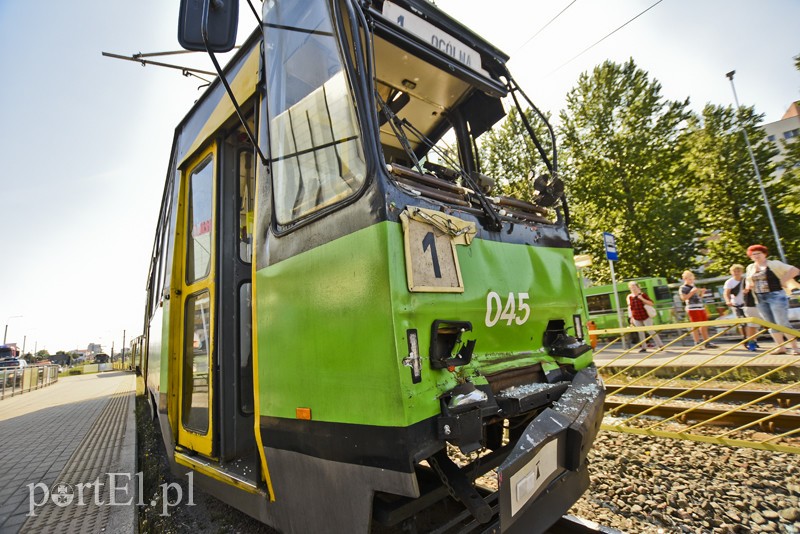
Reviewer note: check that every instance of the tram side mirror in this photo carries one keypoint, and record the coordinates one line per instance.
(220, 17)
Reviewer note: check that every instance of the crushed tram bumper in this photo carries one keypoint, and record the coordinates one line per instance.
(545, 469)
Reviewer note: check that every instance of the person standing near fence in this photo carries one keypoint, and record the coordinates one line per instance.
(637, 300)
(695, 308)
(741, 302)
(767, 279)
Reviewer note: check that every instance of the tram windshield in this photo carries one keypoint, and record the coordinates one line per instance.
(435, 98)
(433, 95)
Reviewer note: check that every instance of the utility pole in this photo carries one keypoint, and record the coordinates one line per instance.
(123, 348)
(5, 333)
(758, 174)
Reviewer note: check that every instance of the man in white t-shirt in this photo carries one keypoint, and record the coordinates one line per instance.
(741, 302)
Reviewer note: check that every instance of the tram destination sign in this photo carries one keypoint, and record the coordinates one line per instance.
(437, 38)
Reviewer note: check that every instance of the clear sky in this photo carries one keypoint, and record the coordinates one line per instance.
(86, 139)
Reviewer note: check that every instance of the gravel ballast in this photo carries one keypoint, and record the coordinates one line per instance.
(648, 484)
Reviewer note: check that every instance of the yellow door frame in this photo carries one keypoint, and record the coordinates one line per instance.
(202, 443)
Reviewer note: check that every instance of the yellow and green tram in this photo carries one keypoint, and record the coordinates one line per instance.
(344, 328)
(601, 304)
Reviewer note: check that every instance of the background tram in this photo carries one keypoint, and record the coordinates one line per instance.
(601, 306)
(326, 325)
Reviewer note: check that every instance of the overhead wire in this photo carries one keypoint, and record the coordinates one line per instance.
(531, 38)
(603, 39)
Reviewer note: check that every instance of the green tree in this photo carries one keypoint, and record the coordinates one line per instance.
(725, 193)
(508, 154)
(623, 166)
(789, 200)
(784, 196)
(784, 193)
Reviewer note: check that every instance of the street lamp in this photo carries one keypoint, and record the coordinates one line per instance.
(5, 333)
(758, 175)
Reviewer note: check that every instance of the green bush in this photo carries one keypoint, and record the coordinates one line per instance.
(76, 371)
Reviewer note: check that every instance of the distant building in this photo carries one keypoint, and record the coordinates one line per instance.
(79, 355)
(787, 129)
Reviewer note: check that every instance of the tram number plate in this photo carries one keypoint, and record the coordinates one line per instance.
(526, 482)
(431, 260)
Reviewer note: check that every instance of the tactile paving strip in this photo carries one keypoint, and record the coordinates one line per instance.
(95, 457)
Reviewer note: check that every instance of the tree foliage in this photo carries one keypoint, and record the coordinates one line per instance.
(785, 194)
(725, 192)
(508, 154)
(625, 171)
(677, 189)
(789, 200)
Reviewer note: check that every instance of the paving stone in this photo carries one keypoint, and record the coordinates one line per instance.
(62, 430)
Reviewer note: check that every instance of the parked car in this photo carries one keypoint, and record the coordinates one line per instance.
(12, 368)
(13, 363)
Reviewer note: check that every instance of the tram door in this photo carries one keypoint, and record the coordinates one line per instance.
(197, 297)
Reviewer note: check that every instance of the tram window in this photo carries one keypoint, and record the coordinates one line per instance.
(316, 152)
(169, 228)
(151, 287)
(166, 243)
(599, 303)
(199, 241)
(247, 180)
(196, 361)
(662, 293)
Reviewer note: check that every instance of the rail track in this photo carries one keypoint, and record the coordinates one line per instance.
(569, 524)
(768, 410)
(781, 399)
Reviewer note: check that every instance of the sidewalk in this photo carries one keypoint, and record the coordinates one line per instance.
(57, 441)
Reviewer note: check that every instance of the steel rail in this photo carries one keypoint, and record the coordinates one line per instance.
(777, 397)
(766, 421)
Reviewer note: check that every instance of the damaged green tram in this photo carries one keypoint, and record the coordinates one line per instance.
(336, 310)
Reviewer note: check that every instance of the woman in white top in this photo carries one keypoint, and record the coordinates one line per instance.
(767, 279)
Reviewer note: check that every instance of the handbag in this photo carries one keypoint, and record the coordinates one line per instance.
(651, 311)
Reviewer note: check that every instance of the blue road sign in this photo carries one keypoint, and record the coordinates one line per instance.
(611, 246)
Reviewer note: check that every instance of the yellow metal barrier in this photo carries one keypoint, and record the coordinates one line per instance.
(730, 369)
